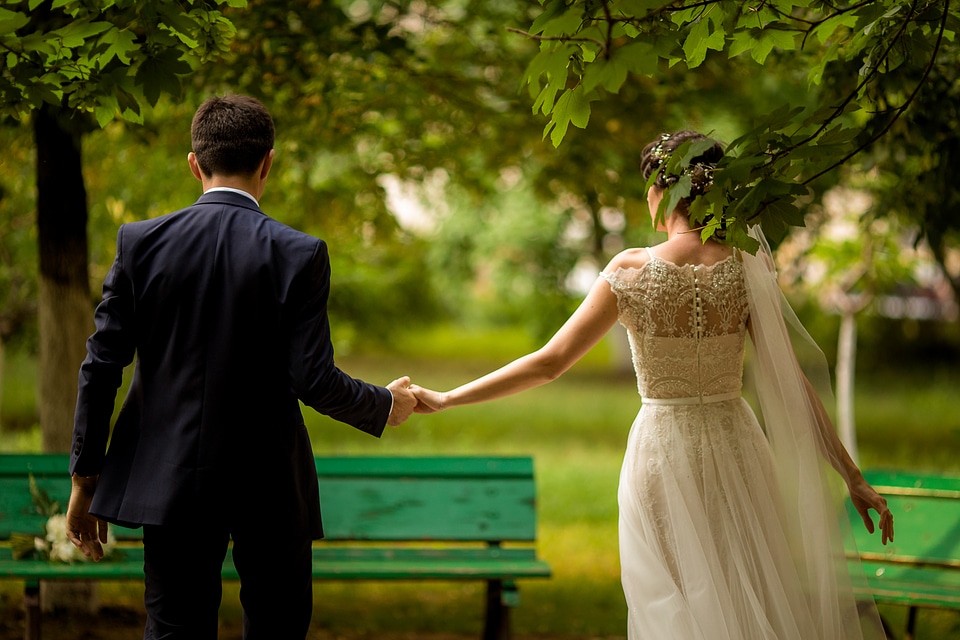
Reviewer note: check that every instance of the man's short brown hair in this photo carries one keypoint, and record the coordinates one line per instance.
(231, 135)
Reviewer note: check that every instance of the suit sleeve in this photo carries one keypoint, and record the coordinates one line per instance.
(315, 377)
(109, 350)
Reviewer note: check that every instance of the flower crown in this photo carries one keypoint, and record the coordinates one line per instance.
(701, 173)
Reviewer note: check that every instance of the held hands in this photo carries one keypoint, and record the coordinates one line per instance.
(428, 401)
(88, 533)
(411, 398)
(864, 498)
(404, 401)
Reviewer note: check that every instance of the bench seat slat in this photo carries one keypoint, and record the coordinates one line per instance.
(913, 586)
(340, 563)
(425, 467)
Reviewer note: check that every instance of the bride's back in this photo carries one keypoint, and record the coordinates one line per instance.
(684, 250)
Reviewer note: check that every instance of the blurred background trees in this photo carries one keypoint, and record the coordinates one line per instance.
(406, 139)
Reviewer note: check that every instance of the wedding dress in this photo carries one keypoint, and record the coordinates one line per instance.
(714, 539)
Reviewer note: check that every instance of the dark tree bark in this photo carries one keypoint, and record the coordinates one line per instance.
(65, 305)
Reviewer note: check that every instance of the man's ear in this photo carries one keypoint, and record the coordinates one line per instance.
(194, 166)
(266, 165)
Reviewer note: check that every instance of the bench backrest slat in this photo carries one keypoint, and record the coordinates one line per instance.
(362, 498)
(926, 510)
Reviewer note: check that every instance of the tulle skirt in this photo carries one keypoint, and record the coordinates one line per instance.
(706, 551)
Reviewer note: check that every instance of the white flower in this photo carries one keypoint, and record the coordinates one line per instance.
(61, 548)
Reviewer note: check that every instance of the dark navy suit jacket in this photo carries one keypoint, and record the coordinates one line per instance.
(226, 312)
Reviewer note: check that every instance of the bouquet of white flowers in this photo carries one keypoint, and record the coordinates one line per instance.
(53, 545)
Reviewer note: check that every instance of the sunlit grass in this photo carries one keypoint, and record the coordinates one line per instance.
(575, 429)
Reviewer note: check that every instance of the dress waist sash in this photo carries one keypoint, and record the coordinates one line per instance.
(717, 397)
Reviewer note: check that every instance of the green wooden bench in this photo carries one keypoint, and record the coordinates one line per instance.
(385, 518)
(921, 568)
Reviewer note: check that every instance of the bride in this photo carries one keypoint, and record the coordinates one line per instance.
(728, 530)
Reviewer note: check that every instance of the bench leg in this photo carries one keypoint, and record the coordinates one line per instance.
(31, 605)
(502, 596)
(911, 623)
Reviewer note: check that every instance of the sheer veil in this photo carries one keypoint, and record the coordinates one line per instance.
(784, 358)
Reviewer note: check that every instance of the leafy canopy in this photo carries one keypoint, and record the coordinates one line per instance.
(588, 48)
(105, 57)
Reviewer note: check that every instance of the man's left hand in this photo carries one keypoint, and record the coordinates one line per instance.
(88, 533)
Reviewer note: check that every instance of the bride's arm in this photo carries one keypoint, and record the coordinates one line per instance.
(584, 329)
(863, 496)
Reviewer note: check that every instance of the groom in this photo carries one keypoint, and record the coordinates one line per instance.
(226, 312)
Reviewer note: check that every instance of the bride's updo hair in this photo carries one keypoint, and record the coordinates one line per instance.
(655, 155)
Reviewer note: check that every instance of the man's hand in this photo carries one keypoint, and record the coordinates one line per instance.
(88, 533)
(403, 401)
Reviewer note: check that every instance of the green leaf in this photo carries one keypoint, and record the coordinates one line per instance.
(838, 135)
(690, 150)
(815, 76)
(737, 236)
(695, 45)
(567, 23)
(45, 505)
(580, 107)
(742, 41)
(546, 99)
(572, 107)
(10, 21)
(122, 43)
(678, 191)
(159, 75)
(787, 212)
(611, 74)
(561, 118)
(75, 34)
(551, 11)
(766, 39)
(830, 26)
(640, 57)
(106, 111)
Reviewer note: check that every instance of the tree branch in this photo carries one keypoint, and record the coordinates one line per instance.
(533, 36)
(904, 106)
(837, 112)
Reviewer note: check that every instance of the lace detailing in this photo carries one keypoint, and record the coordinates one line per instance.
(686, 325)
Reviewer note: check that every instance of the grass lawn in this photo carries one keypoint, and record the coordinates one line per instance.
(575, 428)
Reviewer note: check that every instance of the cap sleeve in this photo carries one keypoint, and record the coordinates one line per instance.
(627, 286)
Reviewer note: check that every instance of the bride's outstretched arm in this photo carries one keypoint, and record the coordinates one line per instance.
(863, 496)
(584, 329)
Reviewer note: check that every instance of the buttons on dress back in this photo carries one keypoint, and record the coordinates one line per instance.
(697, 302)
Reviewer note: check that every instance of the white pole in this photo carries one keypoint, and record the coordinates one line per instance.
(846, 363)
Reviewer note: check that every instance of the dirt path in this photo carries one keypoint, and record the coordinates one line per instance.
(117, 623)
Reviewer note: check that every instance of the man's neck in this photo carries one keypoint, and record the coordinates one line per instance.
(248, 185)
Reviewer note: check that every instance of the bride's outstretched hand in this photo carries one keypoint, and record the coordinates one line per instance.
(864, 498)
(428, 400)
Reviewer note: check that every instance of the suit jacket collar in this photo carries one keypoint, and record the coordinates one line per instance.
(229, 198)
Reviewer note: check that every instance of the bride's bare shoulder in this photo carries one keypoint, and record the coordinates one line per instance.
(628, 259)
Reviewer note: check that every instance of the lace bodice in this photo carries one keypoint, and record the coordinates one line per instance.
(686, 326)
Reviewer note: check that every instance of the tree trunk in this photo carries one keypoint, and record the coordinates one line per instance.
(846, 364)
(65, 309)
(3, 361)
